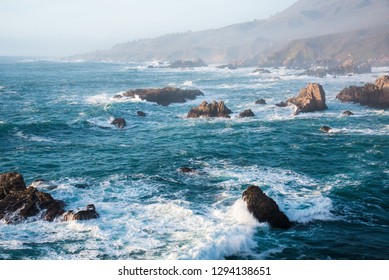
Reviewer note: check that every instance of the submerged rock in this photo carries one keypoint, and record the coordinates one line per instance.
(18, 202)
(186, 169)
(373, 95)
(163, 96)
(260, 102)
(310, 99)
(261, 71)
(264, 209)
(210, 110)
(119, 122)
(347, 113)
(325, 129)
(141, 114)
(281, 104)
(246, 114)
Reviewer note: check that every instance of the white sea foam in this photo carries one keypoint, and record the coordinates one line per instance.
(368, 131)
(300, 197)
(188, 83)
(106, 99)
(33, 138)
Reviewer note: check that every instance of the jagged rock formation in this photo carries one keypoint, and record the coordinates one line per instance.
(265, 209)
(373, 95)
(310, 99)
(210, 110)
(246, 114)
(162, 96)
(119, 122)
(18, 202)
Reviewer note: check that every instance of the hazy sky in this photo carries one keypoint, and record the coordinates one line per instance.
(65, 27)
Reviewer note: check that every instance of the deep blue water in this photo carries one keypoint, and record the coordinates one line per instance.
(55, 124)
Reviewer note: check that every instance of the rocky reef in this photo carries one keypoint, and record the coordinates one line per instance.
(373, 95)
(188, 63)
(162, 96)
(210, 110)
(18, 203)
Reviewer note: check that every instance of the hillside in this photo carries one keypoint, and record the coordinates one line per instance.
(304, 19)
(365, 45)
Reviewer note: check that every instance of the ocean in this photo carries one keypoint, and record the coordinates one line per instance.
(55, 124)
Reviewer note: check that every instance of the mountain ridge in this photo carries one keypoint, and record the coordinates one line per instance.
(255, 39)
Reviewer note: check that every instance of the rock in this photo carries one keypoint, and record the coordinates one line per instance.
(316, 72)
(210, 110)
(17, 202)
(246, 114)
(228, 66)
(187, 170)
(260, 71)
(310, 99)
(346, 68)
(86, 214)
(325, 129)
(264, 209)
(260, 102)
(22, 204)
(383, 83)
(141, 114)
(119, 122)
(10, 183)
(373, 95)
(347, 113)
(281, 104)
(188, 64)
(163, 96)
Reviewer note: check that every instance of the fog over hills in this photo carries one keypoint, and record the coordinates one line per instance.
(261, 41)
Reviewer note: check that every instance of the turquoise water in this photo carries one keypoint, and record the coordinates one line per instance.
(55, 124)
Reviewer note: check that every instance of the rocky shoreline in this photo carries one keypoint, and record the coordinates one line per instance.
(19, 202)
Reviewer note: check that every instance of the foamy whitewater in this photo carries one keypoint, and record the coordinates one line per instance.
(55, 124)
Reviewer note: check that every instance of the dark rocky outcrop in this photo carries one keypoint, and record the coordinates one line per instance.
(261, 71)
(373, 95)
(348, 113)
(210, 110)
(141, 114)
(119, 122)
(325, 129)
(281, 104)
(186, 169)
(265, 209)
(85, 214)
(18, 202)
(310, 99)
(246, 114)
(163, 96)
(188, 64)
(260, 102)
